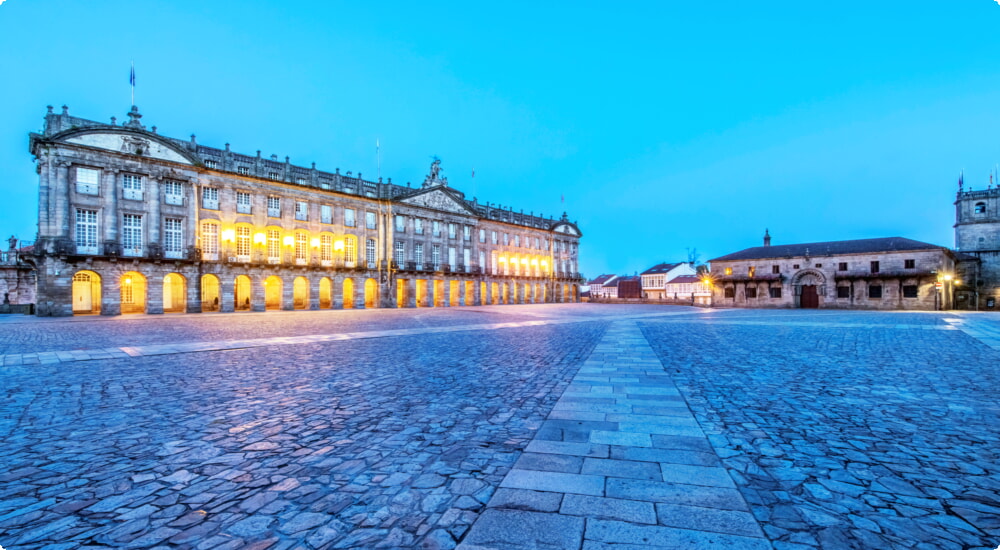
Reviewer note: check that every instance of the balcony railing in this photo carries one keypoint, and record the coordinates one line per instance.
(176, 200)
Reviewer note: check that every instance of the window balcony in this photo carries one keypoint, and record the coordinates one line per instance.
(244, 209)
(273, 212)
(86, 188)
(349, 263)
(176, 200)
(301, 216)
(326, 263)
(86, 249)
(273, 260)
(210, 256)
(210, 204)
(132, 194)
(174, 254)
(301, 261)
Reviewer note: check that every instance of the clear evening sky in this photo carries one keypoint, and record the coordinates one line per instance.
(665, 125)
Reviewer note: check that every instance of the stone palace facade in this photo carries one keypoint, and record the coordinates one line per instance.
(131, 221)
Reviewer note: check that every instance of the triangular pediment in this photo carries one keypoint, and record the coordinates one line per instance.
(438, 199)
(132, 143)
(566, 228)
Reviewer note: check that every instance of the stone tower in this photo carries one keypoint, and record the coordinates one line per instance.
(977, 239)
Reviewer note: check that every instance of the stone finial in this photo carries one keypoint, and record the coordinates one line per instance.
(66, 110)
(274, 157)
(258, 153)
(114, 121)
(194, 142)
(287, 159)
(154, 129)
(314, 166)
(49, 107)
(227, 148)
(134, 118)
(767, 238)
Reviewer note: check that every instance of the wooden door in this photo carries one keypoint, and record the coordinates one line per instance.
(809, 298)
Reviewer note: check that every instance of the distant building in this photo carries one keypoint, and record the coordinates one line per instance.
(887, 273)
(688, 288)
(654, 278)
(977, 240)
(17, 278)
(601, 286)
(629, 287)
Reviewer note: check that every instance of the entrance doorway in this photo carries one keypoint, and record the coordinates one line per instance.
(809, 298)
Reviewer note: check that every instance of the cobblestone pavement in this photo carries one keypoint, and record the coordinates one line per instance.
(880, 436)
(840, 430)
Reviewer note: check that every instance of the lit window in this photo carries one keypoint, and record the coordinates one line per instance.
(326, 248)
(243, 241)
(350, 251)
(273, 245)
(729, 271)
(301, 247)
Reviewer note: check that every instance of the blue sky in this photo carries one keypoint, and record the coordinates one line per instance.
(665, 125)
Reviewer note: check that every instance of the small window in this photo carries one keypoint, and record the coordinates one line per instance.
(875, 291)
(211, 164)
(482, 235)
(436, 228)
(418, 226)
(274, 176)
(452, 231)
(776, 269)
(842, 266)
(729, 271)
(173, 193)
(302, 211)
(349, 220)
(494, 236)
(274, 207)
(751, 271)
(326, 213)
(874, 267)
(466, 233)
(370, 220)
(775, 291)
(132, 187)
(243, 170)
(751, 292)
(243, 202)
(910, 264)
(730, 292)
(795, 266)
(819, 265)
(909, 291)
(843, 292)
(210, 198)
(517, 240)
(87, 181)
(400, 225)
(980, 208)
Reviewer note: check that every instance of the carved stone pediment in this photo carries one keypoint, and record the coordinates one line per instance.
(567, 229)
(130, 144)
(438, 199)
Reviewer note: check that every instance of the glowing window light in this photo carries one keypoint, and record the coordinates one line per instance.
(229, 235)
(289, 240)
(314, 243)
(338, 245)
(259, 238)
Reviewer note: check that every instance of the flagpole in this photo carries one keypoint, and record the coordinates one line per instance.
(378, 159)
(131, 81)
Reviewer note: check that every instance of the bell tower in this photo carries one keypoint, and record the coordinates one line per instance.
(977, 240)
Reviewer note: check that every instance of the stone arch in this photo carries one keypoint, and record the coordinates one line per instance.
(325, 293)
(174, 293)
(273, 288)
(348, 293)
(300, 293)
(211, 299)
(242, 293)
(494, 293)
(133, 292)
(86, 293)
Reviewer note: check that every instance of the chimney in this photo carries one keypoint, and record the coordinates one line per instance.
(767, 238)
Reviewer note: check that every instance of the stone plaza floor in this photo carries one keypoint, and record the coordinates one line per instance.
(534, 426)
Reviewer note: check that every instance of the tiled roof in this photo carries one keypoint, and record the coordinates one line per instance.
(627, 279)
(858, 246)
(684, 279)
(660, 268)
(601, 279)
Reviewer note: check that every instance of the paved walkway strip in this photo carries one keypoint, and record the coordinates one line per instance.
(620, 463)
(53, 357)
